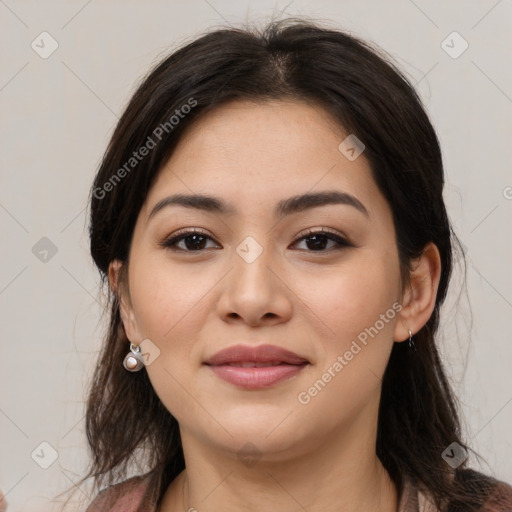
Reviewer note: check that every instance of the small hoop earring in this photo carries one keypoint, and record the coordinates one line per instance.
(411, 342)
(133, 361)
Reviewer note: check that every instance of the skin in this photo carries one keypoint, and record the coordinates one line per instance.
(320, 456)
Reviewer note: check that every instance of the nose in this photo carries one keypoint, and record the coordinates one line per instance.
(255, 292)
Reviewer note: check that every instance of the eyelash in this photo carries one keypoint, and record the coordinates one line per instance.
(169, 243)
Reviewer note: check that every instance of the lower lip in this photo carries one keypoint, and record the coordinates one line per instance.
(257, 377)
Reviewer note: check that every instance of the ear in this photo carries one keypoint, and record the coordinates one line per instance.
(119, 285)
(420, 296)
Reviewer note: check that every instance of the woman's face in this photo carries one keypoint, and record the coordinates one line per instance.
(257, 276)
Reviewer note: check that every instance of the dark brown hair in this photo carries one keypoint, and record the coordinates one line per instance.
(357, 84)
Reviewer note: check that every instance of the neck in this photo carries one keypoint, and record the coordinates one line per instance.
(341, 473)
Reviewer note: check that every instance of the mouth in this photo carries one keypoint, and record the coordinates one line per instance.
(254, 364)
(251, 367)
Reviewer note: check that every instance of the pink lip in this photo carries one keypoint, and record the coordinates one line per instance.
(227, 364)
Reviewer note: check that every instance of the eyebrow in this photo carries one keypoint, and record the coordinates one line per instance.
(285, 207)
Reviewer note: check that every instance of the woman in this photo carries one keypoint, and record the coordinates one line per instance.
(270, 220)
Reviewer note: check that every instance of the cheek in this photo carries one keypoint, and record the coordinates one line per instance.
(170, 306)
(167, 297)
(360, 306)
(354, 297)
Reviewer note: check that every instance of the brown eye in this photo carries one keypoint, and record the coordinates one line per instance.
(317, 240)
(193, 241)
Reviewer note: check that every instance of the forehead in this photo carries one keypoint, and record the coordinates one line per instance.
(266, 128)
(261, 152)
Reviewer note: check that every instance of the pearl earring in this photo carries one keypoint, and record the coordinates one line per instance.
(133, 361)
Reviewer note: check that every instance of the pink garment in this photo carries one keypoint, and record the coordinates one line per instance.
(128, 496)
(122, 497)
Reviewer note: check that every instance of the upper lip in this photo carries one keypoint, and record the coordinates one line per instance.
(260, 353)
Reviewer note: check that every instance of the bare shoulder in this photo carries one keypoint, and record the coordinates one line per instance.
(125, 496)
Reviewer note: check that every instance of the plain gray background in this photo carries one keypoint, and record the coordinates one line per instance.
(57, 115)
